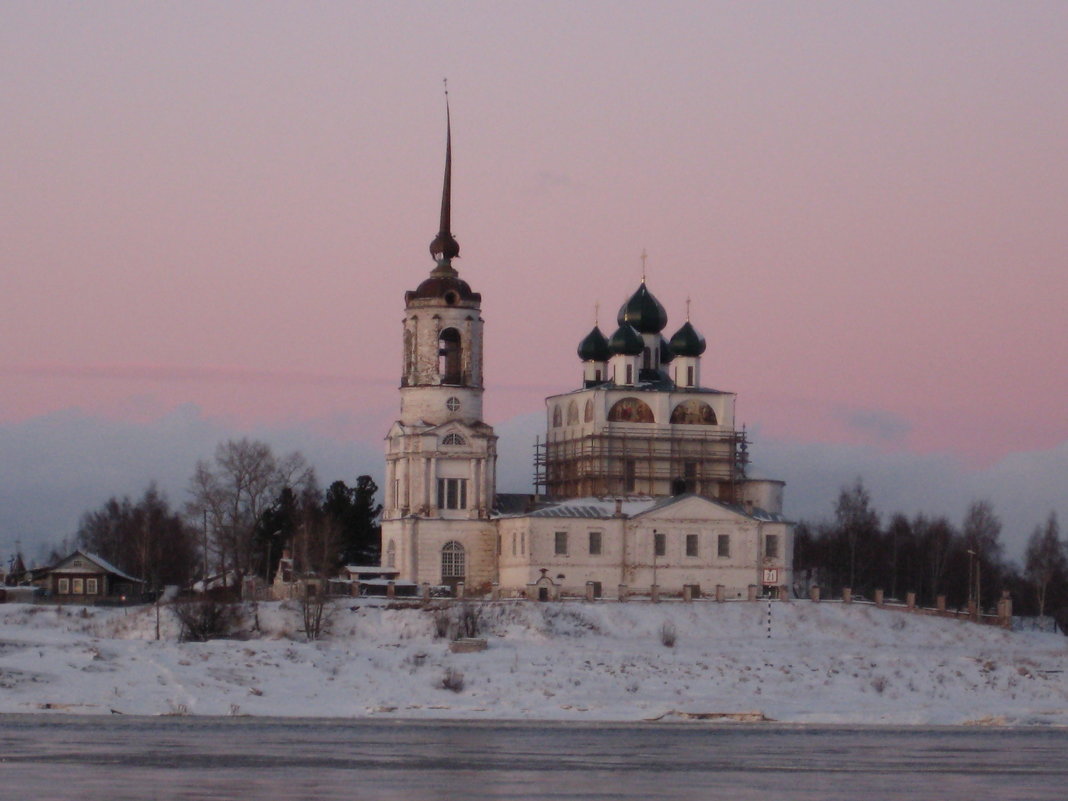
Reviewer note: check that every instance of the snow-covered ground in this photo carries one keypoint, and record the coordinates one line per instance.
(827, 663)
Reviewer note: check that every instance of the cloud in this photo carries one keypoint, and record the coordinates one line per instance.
(883, 425)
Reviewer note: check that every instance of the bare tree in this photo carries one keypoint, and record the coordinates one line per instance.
(982, 532)
(232, 492)
(1045, 560)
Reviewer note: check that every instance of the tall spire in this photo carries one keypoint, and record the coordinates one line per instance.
(445, 248)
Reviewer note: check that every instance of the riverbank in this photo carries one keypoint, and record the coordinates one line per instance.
(824, 663)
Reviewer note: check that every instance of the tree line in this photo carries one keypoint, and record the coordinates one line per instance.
(247, 506)
(932, 556)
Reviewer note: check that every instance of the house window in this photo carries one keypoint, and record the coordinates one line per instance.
(453, 439)
(77, 586)
(558, 417)
(628, 475)
(689, 473)
(597, 375)
(522, 542)
(691, 545)
(91, 587)
(561, 543)
(659, 544)
(771, 546)
(595, 543)
(513, 544)
(630, 374)
(723, 545)
(391, 554)
(63, 586)
(452, 493)
(689, 376)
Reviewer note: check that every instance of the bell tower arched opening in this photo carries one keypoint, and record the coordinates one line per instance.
(450, 356)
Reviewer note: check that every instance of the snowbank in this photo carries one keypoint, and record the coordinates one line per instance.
(826, 663)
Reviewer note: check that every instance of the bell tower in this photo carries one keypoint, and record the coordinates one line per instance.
(441, 457)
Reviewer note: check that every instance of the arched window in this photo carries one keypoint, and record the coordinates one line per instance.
(558, 418)
(453, 439)
(630, 410)
(391, 554)
(453, 563)
(449, 356)
(588, 415)
(572, 413)
(693, 412)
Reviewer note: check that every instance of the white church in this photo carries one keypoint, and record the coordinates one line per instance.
(643, 485)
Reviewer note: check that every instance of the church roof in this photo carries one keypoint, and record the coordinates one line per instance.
(643, 311)
(687, 341)
(594, 347)
(626, 340)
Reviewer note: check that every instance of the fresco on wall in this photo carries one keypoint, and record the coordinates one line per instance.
(630, 410)
(693, 412)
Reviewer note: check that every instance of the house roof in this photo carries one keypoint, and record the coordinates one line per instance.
(100, 562)
(602, 508)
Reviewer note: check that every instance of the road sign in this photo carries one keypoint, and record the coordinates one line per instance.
(771, 576)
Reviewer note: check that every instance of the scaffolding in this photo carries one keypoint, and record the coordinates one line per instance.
(643, 459)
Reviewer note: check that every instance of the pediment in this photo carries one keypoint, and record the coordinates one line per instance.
(692, 508)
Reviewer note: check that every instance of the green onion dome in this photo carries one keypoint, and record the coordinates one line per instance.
(667, 355)
(643, 311)
(594, 348)
(627, 341)
(687, 342)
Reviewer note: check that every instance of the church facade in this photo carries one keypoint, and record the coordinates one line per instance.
(643, 476)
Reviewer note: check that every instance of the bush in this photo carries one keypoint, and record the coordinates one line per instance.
(668, 634)
(468, 621)
(452, 680)
(203, 620)
(316, 614)
(454, 623)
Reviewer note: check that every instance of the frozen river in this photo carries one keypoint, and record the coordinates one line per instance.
(90, 758)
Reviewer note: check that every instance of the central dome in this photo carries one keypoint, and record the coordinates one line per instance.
(643, 312)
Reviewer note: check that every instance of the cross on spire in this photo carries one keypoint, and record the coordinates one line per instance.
(644, 257)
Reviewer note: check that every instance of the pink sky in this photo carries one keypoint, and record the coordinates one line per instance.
(224, 204)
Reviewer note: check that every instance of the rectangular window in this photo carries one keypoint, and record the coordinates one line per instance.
(691, 545)
(498, 545)
(628, 475)
(513, 543)
(689, 376)
(561, 543)
(522, 542)
(771, 546)
(63, 586)
(723, 545)
(595, 543)
(596, 589)
(630, 374)
(90, 587)
(77, 587)
(659, 544)
(452, 493)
